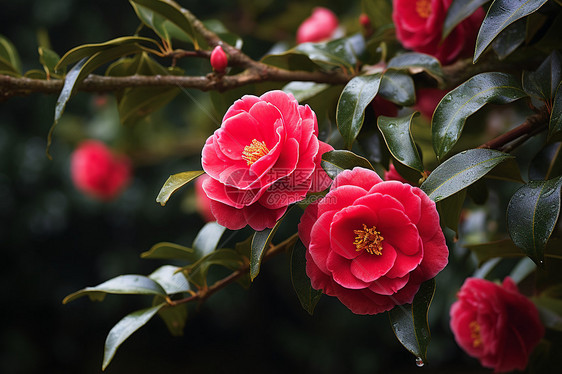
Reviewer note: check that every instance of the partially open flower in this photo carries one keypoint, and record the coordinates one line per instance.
(372, 243)
(496, 324)
(265, 156)
(419, 26)
(219, 59)
(320, 26)
(97, 172)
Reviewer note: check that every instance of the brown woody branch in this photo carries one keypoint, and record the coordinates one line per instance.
(204, 293)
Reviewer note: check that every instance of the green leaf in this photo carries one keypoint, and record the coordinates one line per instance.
(125, 328)
(398, 87)
(355, 97)
(409, 321)
(9, 58)
(501, 14)
(166, 19)
(303, 91)
(49, 59)
(416, 63)
(64, 96)
(555, 124)
(222, 32)
(458, 11)
(260, 245)
(457, 105)
(136, 103)
(532, 214)
(547, 163)
(124, 284)
(291, 60)
(208, 239)
(171, 279)
(543, 82)
(307, 295)
(379, 12)
(88, 50)
(505, 248)
(450, 210)
(460, 171)
(167, 250)
(334, 162)
(174, 183)
(226, 257)
(174, 317)
(399, 140)
(340, 53)
(510, 38)
(508, 170)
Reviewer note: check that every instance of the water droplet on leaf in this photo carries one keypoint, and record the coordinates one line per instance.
(419, 362)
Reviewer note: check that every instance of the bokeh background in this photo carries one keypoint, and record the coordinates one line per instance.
(54, 240)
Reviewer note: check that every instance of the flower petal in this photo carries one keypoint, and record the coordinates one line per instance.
(341, 272)
(344, 223)
(359, 177)
(370, 267)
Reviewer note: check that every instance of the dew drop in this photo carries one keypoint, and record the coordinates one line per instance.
(419, 362)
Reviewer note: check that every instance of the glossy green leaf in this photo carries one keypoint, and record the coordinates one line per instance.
(208, 239)
(508, 170)
(166, 19)
(307, 295)
(457, 105)
(260, 246)
(124, 284)
(460, 171)
(458, 11)
(334, 162)
(543, 82)
(510, 38)
(64, 96)
(125, 328)
(555, 124)
(9, 58)
(524, 268)
(197, 272)
(399, 140)
(409, 321)
(416, 63)
(303, 91)
(49, 59)
(174, 183)
(532, 214)
(88, 50)
(337, 53)
(501, 14)
(136, 103)
(175, 317)
(450, 210)
(171, 279)
(398, 87)
(379, 12)
(547, 163)
(355, 97)
(291, 60)
(167, 250)
(222, 32)
(506, 248)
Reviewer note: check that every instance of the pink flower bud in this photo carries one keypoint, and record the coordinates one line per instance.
(364, 20)
(320, 26)
(97, 172)
(219, 59)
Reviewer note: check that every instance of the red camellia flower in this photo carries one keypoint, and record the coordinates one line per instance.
(496, 324)
(372, 243)
(265, 156)
(427, 100)
(419, 26)
(393, 175)
(202, 201)
(320, 26)
(97, 172)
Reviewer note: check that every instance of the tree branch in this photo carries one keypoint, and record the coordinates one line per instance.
(204, 293)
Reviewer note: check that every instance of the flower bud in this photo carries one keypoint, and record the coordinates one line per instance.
(219, 59)
(364, 20)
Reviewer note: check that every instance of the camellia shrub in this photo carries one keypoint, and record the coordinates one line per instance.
(307, 153)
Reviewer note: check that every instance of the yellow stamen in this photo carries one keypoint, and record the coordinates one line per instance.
(475, 334)
(254, 151)
(368, 239)
(423, 8)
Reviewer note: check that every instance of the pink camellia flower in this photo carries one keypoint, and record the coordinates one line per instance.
(321, 25)
(372, 243)
(265, 156)
(202, 201)
(97, 172)
(419, 26)
(496, 324)
(427, 100)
